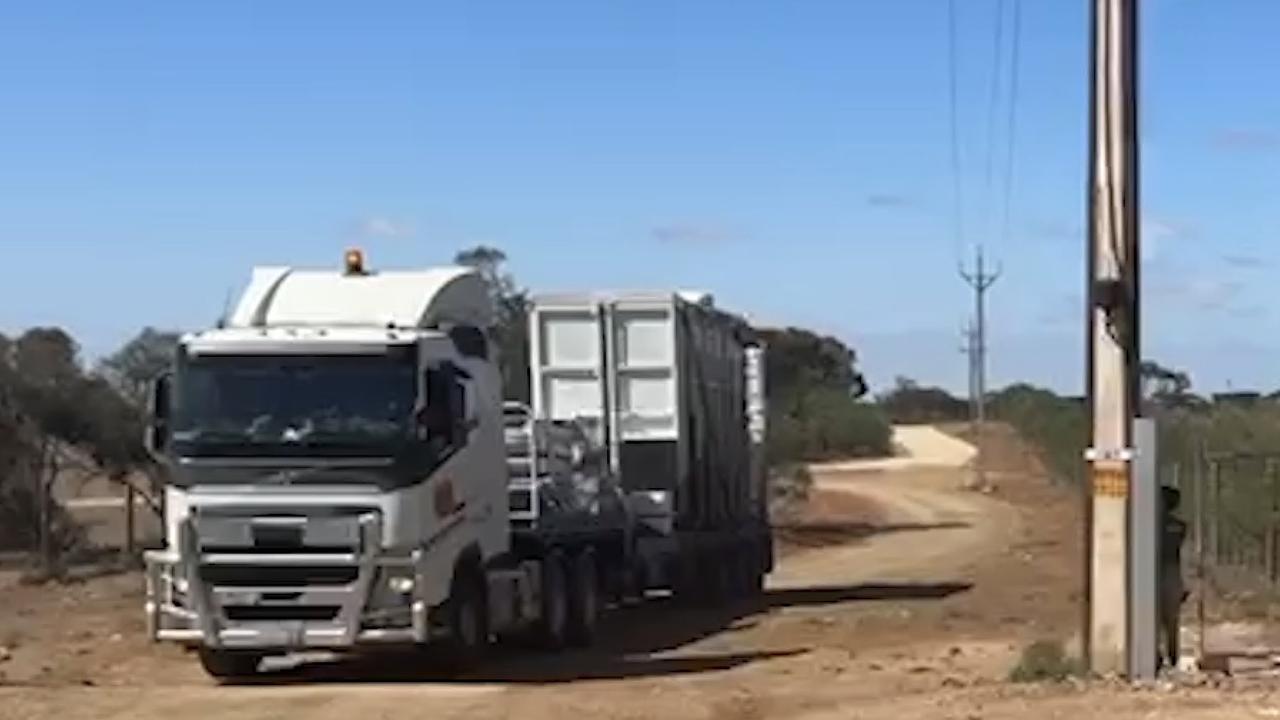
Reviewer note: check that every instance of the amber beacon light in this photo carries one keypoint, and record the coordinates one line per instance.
(354, 262)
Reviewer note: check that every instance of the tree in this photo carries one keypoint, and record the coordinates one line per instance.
(798, 359)
(131, 369)
(511, 317)
(45, 374)
(41, 375)
(56, 417)
(1164, 387)
(911, 402)
(813, 386)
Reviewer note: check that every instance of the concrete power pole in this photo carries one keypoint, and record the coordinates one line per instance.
(969, 350)
(1112, 328)
(981, 281)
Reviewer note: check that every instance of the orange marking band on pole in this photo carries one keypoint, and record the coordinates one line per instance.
(1111, 479)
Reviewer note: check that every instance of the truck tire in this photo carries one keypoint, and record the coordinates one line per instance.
(584, 599)
(755, 576)
(688, 584)
(229, 665)
(718, 575)
(467, 612)
(552, 628)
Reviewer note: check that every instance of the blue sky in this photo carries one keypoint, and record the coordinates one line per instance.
(793, 158)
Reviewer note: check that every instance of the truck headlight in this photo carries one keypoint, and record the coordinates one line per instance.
(400, 584)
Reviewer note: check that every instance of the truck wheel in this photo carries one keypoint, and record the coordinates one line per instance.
(229, 665)
(584, 599)
(552, 629)
(468, 617)
(755, 576)
(688, 584)
(719, 581)
(638, 581)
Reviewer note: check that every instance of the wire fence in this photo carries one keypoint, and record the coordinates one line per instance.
(1231, 503)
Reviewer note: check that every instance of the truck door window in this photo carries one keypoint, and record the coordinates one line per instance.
(446, 411)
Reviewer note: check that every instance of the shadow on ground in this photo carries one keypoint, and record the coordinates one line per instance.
(822, 534)
(635, 642)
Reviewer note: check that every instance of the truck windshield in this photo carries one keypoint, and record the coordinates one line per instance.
(293, 405)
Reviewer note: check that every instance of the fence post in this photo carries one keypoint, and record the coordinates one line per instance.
(44, 489)
(130, 503)
(1215, 521)
(1201, 583)
(1270, 529)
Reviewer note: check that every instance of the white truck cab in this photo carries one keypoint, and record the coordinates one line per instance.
(336, 467)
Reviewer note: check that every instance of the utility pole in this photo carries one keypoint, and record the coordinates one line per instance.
(981, 281)
(1112, 381)
(969, 350)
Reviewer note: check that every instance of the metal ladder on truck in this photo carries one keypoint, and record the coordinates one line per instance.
(543, 457)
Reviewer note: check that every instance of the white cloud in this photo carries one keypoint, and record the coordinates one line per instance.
(1246, 262)
(1057, 230)
(381, 227)
(888, 200)
(1202, 293)
(1214, 293)
(1246, 139)
(690, 234)
(1066, 309)
(1158, 233)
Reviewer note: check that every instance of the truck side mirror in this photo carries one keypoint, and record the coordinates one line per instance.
(157, 431)
(859, 386)
(426, 414)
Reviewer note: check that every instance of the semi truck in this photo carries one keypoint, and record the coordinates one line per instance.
(343, 472)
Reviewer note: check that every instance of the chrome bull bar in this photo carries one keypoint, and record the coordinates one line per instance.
(186, 602)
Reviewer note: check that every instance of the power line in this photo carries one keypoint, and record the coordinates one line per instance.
(1011, 126)
(993, 101)
(953, 76)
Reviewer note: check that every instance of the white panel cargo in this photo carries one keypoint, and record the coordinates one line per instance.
(666, 377)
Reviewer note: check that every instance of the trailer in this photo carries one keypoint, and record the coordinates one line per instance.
(342, 473)
(674, 387)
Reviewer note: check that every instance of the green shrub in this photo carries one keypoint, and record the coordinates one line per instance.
(1058, 427)
(790, 482)
(1045, 660)
(826, 424)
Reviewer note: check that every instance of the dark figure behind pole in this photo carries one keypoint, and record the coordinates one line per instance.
(1173, 531)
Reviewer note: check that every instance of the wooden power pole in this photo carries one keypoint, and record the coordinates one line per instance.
(1112, 328)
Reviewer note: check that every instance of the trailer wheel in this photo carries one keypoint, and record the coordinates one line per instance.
(755, 576)
(584, 599)
(229, 665)
(721, 574)
(688, 582)
(749, 576)
(635, 581)
(552, 628)
(468, 617)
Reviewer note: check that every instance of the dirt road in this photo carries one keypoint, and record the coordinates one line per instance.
(899, 595)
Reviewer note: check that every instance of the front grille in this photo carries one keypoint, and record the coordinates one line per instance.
(268, 550)
(251, 613)
(272, 538)
(520, 500)
(277, 576)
